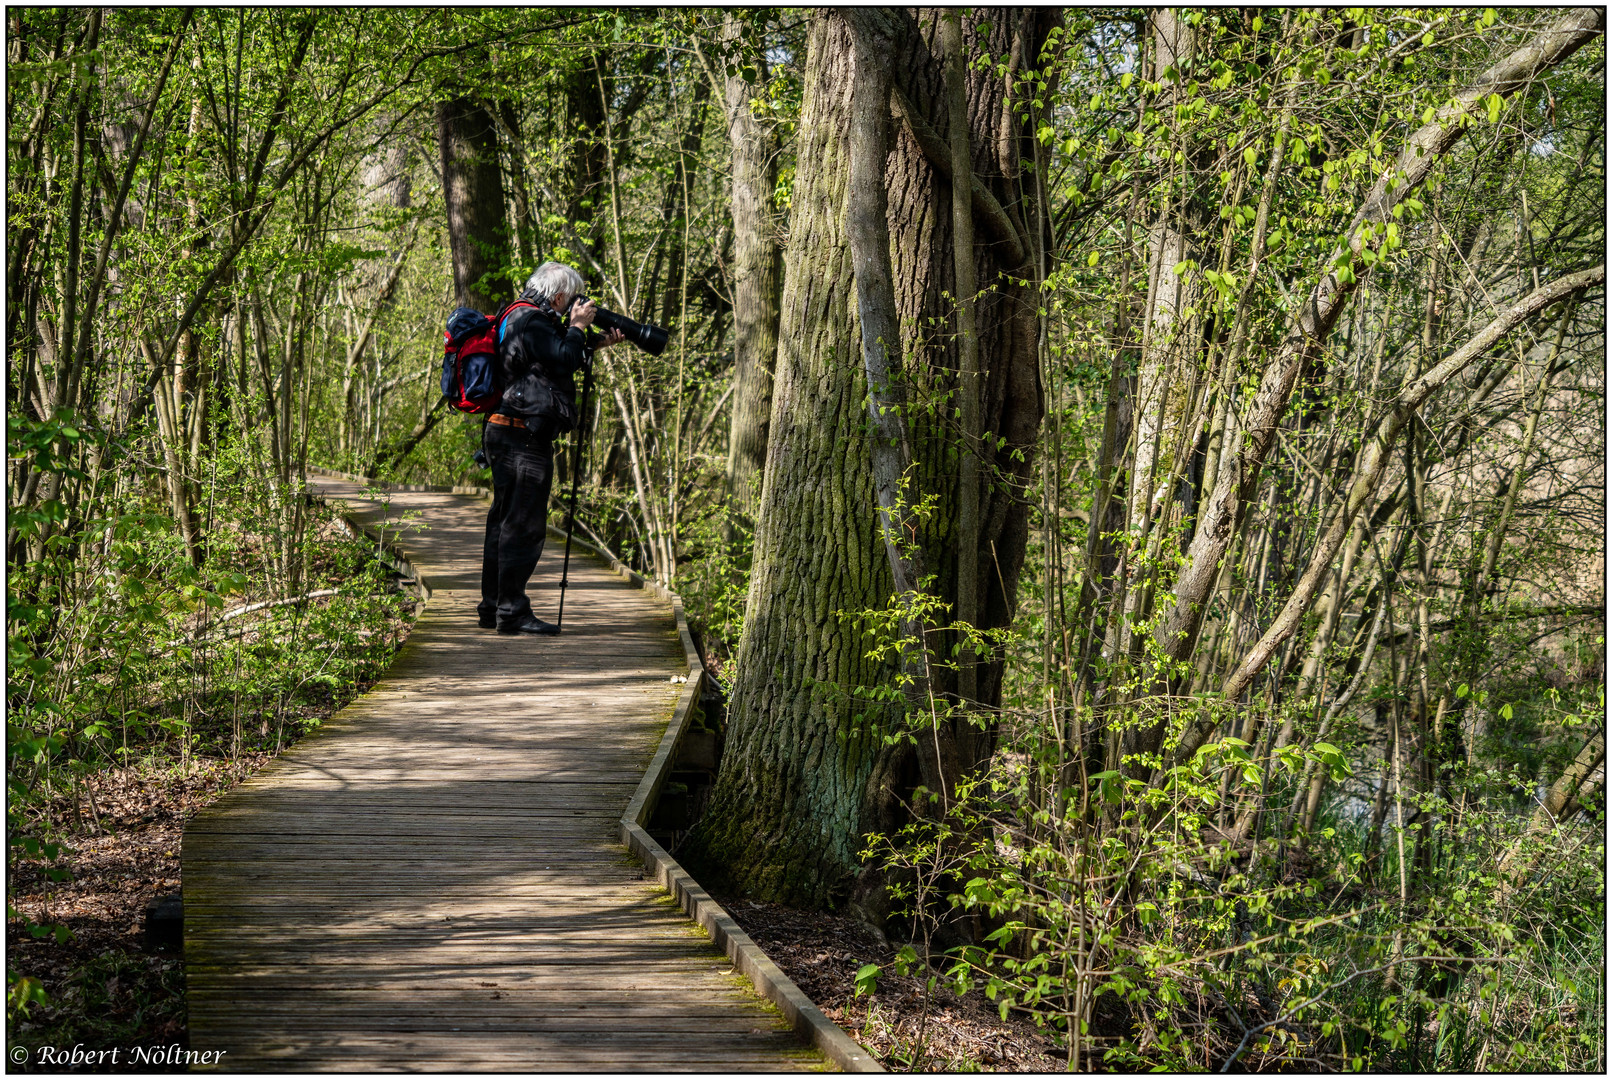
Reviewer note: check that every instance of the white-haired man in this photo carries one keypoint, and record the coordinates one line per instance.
(542, 342)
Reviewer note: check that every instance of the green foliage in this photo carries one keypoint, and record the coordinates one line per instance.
(714, 584)
(119, 999)
(23, 992)
(1136, 938)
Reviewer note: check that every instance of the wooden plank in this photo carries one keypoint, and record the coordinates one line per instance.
(423, 943)
(470, 791)
(308, 906)
(468, 909)
(591, 829)
(474, 873)
(423, 950)
(217, 990)
(408, 818)
(587, 1042)
(418, 1061)
(400, 895)
(504, 1017)
(267, 876)
(701, 1000)
(491, 856)
(411, 815)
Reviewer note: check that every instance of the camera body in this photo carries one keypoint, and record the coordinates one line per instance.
(647, 336)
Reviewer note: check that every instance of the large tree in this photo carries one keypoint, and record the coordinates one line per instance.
(808, 767)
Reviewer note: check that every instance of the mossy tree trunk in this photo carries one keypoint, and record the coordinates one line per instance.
(807, 771)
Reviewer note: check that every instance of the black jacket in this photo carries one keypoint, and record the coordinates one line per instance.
(540, 355)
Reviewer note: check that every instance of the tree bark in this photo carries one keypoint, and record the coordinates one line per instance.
(585, 155)
(1591, 757)
(473, 195)
(950, 38)
(785, 815)
(524, 231)
(1159, 399)
(757, 266)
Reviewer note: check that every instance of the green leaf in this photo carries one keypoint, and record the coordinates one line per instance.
(867, 979)
(1091, 260)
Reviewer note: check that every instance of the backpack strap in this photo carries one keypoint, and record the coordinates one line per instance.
(504, 313)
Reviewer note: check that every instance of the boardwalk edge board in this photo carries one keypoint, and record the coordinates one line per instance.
(748, 958)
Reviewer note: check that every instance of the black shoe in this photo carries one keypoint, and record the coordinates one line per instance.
(486, 620)
(529, 625)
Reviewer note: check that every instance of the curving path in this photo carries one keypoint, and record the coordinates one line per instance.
(435, 880)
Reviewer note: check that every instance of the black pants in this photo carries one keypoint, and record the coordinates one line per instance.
(523, 467)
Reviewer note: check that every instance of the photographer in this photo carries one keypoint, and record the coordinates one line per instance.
(542, 343)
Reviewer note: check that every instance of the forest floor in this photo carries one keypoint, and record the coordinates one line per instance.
(822, 954)
(104, 987)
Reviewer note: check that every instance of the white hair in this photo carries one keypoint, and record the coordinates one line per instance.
(552, 278)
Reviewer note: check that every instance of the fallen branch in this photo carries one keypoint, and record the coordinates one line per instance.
(199, 638)
(249, 608)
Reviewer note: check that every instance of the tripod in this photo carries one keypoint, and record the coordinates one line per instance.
(578, 440)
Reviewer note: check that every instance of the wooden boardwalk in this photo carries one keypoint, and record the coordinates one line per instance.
(435, 881)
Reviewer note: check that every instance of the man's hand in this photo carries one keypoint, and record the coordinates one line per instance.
(614, 337)
(582, 314)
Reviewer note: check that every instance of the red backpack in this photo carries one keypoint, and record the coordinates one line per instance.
(470, 369)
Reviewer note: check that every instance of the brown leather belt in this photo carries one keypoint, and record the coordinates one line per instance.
(506, 421)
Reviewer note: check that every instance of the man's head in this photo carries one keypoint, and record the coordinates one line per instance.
(556, 283)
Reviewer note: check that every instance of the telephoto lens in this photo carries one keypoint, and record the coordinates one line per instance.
(647, 336)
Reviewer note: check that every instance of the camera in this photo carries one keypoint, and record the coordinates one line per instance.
(647, 336)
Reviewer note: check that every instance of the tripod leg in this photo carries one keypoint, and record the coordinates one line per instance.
(577, 443)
